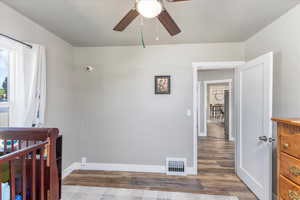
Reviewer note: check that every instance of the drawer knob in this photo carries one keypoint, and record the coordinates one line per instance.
(293, 195)
(294, 170)
(286, 146)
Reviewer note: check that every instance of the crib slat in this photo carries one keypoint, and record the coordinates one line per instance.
(33, 192)
(0, 189)
(20, 144)
(12, 180)
(5, 146)
(24, 178)
(42, 171)
(12, 146)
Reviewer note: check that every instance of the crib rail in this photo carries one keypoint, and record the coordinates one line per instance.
(34, 152)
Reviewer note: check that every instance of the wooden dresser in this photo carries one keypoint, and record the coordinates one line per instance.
(288, 158)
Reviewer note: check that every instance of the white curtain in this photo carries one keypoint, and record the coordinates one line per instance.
(29, 92)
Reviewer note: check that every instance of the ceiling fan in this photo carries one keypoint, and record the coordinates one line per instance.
(150, 9)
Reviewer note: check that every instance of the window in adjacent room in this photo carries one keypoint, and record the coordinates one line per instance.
(4, 86)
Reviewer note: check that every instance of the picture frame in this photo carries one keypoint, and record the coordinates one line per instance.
(162, 85)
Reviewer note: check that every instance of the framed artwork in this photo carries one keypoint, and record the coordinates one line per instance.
(162, 84)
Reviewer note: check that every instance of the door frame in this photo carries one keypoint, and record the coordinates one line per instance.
(206, 83)
(196, 66)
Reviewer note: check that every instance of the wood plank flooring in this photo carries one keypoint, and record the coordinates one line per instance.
(215, 175)
(215, 130)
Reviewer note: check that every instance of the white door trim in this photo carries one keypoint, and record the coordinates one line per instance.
(198, 110)
(204, 66)
(206, 83)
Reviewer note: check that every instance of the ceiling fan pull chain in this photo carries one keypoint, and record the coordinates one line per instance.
(142, 32)
(142, 39)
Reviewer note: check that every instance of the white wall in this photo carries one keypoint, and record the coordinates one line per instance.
(281, 37)
(122, 121)
(119, 118)
(59, 75)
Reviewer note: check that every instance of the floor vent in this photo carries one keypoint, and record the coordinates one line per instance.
(176, 166)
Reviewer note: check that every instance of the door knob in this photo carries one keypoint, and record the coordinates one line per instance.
(263, 138)
(271, 140)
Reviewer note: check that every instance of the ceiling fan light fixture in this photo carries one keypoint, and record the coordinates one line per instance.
(149, 8)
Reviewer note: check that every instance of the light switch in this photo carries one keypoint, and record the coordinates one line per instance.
(188, 113)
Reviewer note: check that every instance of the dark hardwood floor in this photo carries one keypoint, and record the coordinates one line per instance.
(215, 175)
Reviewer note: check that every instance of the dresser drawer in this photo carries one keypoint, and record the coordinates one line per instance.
(290, 144)
(288, 189)
(290, 167)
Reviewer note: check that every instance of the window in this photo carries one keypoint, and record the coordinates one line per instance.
(4, 86)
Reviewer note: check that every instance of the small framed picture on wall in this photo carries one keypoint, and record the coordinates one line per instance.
(162, 84)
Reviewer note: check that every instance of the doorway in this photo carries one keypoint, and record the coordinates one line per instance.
(198, 93)
(217, 112)
(216, 147)
(252, 109)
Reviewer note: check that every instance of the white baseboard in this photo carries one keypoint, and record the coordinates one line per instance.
(120, 167)
(191, 171)
(72, 167)
(124, 167)
(202, 134)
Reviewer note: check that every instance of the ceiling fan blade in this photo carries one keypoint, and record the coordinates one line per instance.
(169, 23)
(176, 0)
(122, 25)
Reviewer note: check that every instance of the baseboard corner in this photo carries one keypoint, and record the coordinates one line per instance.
(201, 134)
(70, 168)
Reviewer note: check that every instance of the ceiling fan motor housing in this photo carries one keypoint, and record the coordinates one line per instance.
(150, 9)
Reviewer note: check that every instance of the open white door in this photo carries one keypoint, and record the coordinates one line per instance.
(254, 126)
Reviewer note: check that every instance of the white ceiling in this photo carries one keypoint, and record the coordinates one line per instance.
(90, 22)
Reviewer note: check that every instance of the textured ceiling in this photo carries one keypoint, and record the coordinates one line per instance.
(90, 22)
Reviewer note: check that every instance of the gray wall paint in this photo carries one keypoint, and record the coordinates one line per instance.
(209, 75)
(122, 121)
(281, 37)
(59, 75)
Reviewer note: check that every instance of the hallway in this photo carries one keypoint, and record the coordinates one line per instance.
(215, 130)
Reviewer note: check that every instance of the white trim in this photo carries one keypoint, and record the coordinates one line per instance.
(120, 167)
(205, 109)
(218, 81)
(124, 167)
(217, 65)
(204, 66)
(201, 134)
(72, 167)
(198, 110)
(231, 108)
(206, 83)
(195, 125)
